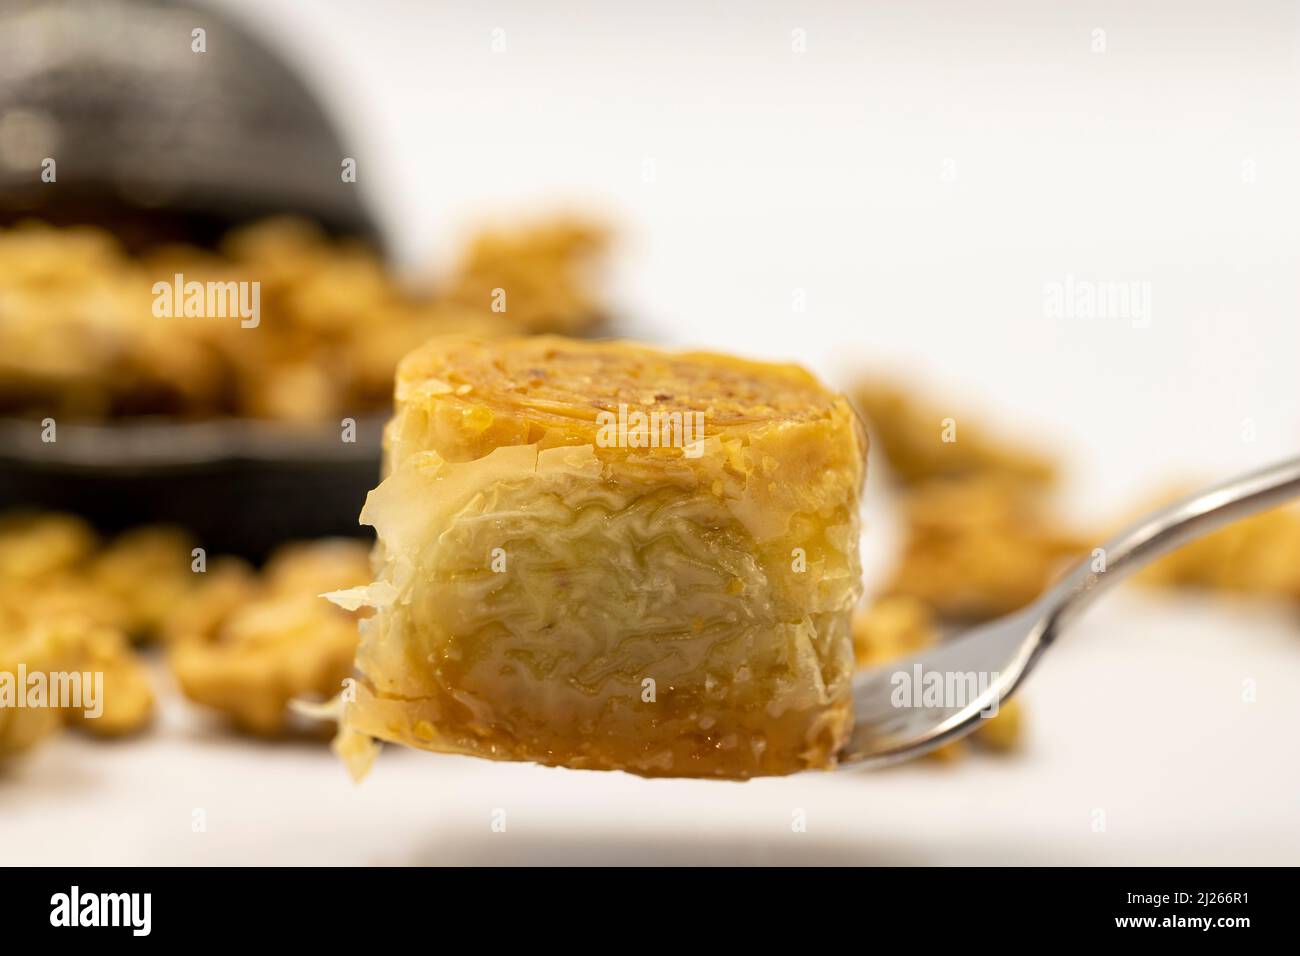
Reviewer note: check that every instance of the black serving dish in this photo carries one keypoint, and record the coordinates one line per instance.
(242, 487)
(156, 141)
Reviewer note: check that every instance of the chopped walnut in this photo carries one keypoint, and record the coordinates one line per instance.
(22, 728)
(79, 338)
(891, 627)
(227, 583)
(1003, 731)
(128, 697)
(147, 572)
(922, 440)
(266, 654)
(1258, 555)
(36, 546)
(978, 548)
(539, 278)
(252, 645)
(119, 697)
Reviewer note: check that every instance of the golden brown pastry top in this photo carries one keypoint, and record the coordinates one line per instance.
(552, 390)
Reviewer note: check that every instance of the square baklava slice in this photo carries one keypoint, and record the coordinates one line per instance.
(605, 556)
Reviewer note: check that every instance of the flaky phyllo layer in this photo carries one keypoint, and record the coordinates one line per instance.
(551, 588)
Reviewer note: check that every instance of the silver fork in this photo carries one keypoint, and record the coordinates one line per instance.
(995, 658)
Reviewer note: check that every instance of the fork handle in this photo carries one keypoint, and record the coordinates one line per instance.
(1163, 531)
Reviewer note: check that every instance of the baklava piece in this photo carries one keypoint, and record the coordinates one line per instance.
(604, 556)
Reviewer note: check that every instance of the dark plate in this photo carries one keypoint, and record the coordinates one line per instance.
(158, 142)
(240, 486)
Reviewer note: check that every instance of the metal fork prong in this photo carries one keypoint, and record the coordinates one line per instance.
(1004, 651)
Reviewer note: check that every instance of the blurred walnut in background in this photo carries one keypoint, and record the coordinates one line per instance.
(980, 538)
(21, 728)
(55, 566)
(239, 641)
(545, 275)
(54, 617)
(79, 337)
(922, 440)
(1256, 556)
(267, 640)
(980, 547)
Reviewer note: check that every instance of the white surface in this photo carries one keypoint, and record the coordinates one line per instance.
(1139, 715)
(822, 171)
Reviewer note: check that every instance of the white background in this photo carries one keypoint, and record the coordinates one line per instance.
(822, 171)
(1169, 159)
